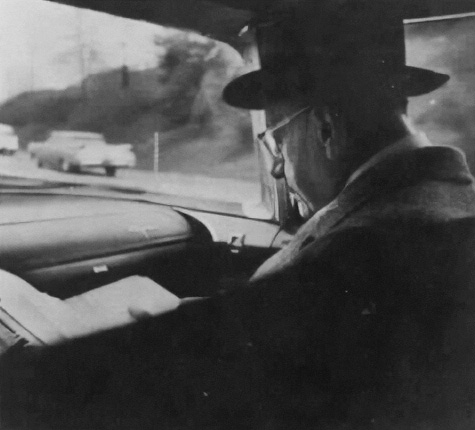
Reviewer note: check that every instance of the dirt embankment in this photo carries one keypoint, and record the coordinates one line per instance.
(180, 99)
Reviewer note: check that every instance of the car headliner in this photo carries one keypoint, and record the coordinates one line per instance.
(223, 19)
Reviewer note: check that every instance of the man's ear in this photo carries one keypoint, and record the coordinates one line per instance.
(326, 132)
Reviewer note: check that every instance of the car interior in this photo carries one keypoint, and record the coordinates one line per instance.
(76, 262)
(66, 245)
(102, 241)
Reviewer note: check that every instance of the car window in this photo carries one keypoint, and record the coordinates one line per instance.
(6, 130)
(447, 114)
(77, 78)
(72, 136)
(73, 75)
(75, 139)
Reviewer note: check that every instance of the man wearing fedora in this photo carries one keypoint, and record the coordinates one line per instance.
(366, 319)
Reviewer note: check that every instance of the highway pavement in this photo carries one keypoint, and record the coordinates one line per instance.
(171, 183)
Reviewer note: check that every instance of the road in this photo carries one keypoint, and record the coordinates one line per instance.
(196, 186)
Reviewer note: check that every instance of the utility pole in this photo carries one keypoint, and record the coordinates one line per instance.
(125, 70)
(32, 65)
(32, 55)
(82, 60)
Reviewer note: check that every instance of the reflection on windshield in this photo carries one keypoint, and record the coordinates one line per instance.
(83, 76)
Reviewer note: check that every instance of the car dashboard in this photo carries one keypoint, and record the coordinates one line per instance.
(65, 245)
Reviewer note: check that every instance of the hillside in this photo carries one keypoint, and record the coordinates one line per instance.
(180, 98)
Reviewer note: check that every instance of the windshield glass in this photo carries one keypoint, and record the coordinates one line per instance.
(99, 99)
(76, 79)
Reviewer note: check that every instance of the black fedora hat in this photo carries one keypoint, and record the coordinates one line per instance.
(357, 41)
(258, 89)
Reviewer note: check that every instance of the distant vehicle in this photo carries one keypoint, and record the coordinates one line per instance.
(8, 140)
(71, 151)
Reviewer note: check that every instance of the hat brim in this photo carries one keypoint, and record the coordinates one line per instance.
(417, 81)
(246, 91)
(252, 90)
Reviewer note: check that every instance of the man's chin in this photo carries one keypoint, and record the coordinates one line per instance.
(307, 207)
(304, 207)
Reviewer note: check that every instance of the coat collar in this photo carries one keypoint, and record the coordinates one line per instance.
(412, 141)
(402, 166)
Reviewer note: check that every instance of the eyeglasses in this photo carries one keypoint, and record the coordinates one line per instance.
(269, 142)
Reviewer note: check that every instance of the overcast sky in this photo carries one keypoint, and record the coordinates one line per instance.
(39, 44)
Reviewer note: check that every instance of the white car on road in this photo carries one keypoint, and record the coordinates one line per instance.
(8, 140)
(71, 151)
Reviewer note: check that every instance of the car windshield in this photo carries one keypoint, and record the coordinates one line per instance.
(99, 99)
(149, 97)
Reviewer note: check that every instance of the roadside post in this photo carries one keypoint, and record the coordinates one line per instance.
(156, 152)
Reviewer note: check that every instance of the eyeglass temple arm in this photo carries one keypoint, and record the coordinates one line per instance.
(266, 136)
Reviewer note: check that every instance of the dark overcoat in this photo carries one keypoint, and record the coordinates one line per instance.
(367, 320)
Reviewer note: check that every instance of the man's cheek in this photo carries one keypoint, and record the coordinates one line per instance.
(299, 161)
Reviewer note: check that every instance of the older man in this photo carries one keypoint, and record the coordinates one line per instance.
(366, 319)
(367, 316)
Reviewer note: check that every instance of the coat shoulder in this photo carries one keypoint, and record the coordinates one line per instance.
(400, 346)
